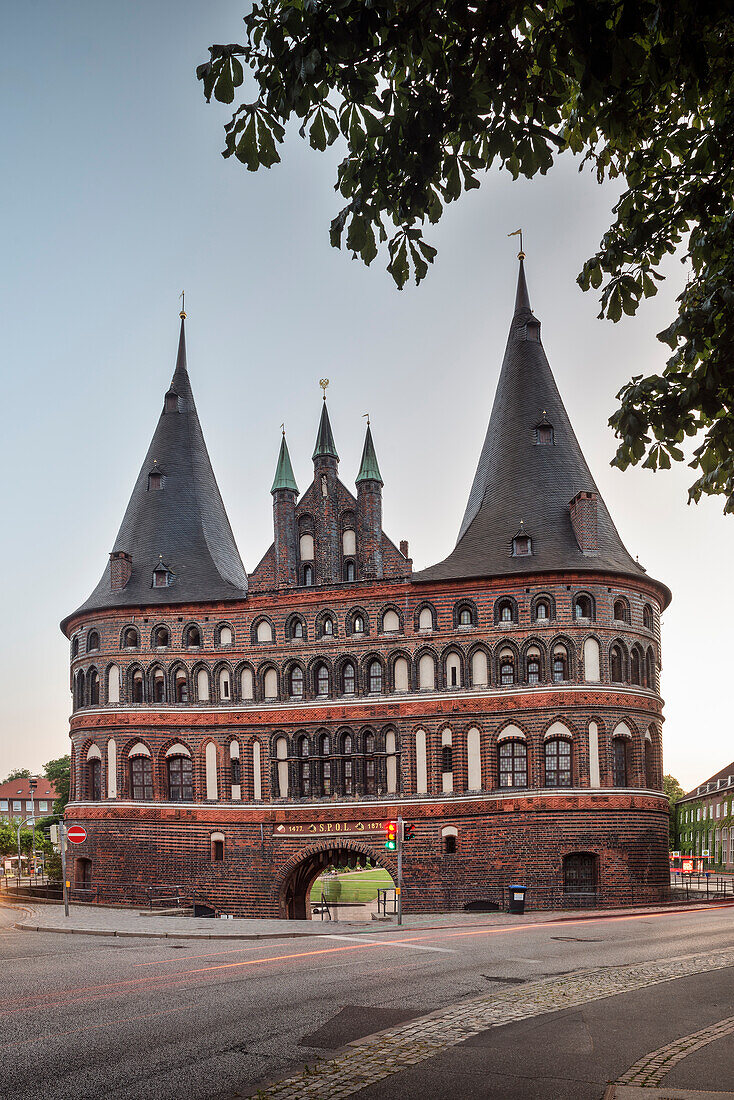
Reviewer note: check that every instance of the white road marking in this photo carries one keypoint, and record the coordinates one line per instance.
(391, 943)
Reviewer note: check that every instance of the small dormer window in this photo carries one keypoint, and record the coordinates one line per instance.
(532, 331)
(170, 404)
(544, 435)
(522, 546)
(162, 577)
(155, 481)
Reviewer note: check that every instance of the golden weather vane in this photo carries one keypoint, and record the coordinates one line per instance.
(516, 233)
(182, 314)
(324, 382)
(282, 428)
(368, 418)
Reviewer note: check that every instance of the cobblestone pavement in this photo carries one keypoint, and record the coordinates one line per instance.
(371, 1060)
(651, 1069)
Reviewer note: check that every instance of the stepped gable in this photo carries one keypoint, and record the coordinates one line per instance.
(524, 486)
(183, 524)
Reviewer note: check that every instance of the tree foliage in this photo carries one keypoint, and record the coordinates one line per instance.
(18, 773)
(674, 792)
(425, 95)
(58, 772)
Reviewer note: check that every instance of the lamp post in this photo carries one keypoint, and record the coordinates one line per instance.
(21, 823)
(33, 783)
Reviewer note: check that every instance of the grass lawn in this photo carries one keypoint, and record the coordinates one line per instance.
(356, 886)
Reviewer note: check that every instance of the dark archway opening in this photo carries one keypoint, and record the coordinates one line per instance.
(338, 871)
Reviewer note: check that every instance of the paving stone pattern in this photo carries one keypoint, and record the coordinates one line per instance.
(651, 1069)
(379, 1056)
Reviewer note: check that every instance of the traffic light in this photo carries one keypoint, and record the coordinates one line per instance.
(391, 835)
(408, 830)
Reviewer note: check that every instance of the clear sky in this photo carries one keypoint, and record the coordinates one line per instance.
(114, 198)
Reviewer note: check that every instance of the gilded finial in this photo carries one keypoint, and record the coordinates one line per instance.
(182, 314)
(515, 233)
(368, 418)
(324, 382)
(282, 428)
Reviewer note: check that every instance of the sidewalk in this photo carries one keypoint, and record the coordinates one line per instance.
(99, 921)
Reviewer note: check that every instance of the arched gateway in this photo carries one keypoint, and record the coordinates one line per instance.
(304, 868)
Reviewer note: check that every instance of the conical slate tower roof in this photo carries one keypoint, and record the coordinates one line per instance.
(325, 445)
(523, 485)
(183, 522)
(368, 469)
(284, 477)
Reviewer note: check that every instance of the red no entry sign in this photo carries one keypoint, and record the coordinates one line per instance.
(76, 834)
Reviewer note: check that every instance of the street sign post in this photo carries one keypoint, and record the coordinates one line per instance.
(400, 870)
(62, 842)
(76, 834)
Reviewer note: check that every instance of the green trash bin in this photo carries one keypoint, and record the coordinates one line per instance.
(517, 899)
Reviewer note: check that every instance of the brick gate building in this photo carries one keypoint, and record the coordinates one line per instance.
(237, 734)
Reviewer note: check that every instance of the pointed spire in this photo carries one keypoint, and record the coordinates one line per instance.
(325, 446)
(530, 470)
(184, 523)
(522, 298)
(284, 478)
(369, 470)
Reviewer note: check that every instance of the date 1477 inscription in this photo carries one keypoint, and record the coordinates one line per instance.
(328, 828)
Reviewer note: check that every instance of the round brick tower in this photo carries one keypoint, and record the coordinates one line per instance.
(233, 736)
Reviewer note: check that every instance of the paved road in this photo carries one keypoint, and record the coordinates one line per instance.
(90, 1016)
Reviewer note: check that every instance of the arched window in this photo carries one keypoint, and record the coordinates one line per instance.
(425, 619)
(322, 680)
(297, 629)
(370, 764)
(453, 670)
(202, 685)
(264, 632)
(296, 682)
(113, 684)
(306, 547)
(583, 607)
(170, 402)
(620, 757)
(159, 686)
(326, 775)
(358, 624)
(513, 764)
(617, 664)
(92, 641)
(308, 575)
(93, 687)
(193, 637)
(349, 679)
(375, 677)
(225, 635)
(281, 756)
(79, 690)
(390, 622)
(347, 764)
(560, 664)
(650, 669)
(464, 616)
(533, 665)
(94, 780)
(447, 762)
(504, 611)
(75, 647)
(427, 673)
(648, 619)
(401, 676)
(542, 610)
(327, 626)
(473, 760)
(349, 571)
(137, 686)
(141, 778)
(557, 762)
(270, 683)
(180, 779)
(225, 685)
(621, 611)
(349, 539)
(247, 684)
(130, 638)
(592, 662)
(304, 767)
(479, 669)
(635, 666)
(507, 669)
(161, 637)
(649, 763)
(181, 686)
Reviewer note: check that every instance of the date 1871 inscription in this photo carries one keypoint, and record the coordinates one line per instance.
(328, 828)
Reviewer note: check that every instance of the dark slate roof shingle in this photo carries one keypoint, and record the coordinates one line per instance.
(519, 480)
(185, 522)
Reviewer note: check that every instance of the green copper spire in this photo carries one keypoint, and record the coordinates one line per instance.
(325, 445)
(284, 478)
(369, 470)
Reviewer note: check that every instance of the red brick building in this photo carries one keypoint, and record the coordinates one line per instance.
(238, 734)
(17, 801)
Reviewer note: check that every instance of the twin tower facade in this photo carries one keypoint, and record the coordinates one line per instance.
(234, 735)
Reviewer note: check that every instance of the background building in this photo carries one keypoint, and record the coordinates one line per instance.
(239, 734)
(705, 820)
(16, 801)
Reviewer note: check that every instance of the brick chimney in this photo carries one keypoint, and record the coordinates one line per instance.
(121, 567)
(404, 548)
(583, 520)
